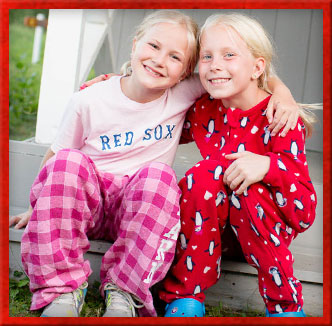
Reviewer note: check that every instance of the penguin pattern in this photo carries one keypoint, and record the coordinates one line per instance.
(220, 199)
(260, 211)
(266, 136)
(189, 264)
(210, 128)
(211, 248)
(274, 271)
(294, 149)
(217, 172)
(190, 181)
(183, 241)
(264, 219)
(199, 221)
(244, 121)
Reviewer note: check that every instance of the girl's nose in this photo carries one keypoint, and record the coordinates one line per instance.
(216, 65)
(159, 59)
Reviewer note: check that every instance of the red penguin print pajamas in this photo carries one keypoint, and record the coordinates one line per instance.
(265, 218)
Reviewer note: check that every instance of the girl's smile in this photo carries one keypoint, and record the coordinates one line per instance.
(153, 72)
(218, 81)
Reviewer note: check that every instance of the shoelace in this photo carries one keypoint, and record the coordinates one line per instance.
(67, 298)
(117, 298)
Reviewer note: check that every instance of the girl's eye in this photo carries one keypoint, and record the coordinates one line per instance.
(206, 57)
(153, 45)
(175, 57)
(229, 55)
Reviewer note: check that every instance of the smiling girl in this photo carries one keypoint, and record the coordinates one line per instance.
(255, 181)
(108, 176)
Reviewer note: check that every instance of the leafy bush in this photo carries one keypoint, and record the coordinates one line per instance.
(17, 15)
(24, 79)
(23, 100)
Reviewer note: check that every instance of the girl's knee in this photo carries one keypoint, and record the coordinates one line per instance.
(155, 184)
(160, 172)
(69, 160)
(210, 169)
(205, 175)
(73, 155)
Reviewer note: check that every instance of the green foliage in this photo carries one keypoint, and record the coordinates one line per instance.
(23, 102)
(24, 77)
(24, 81)
(20, 297)
(17, 15)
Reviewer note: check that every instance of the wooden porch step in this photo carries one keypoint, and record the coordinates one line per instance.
(237, 287)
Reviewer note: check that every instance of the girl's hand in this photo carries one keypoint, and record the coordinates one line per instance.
(20, 220)
(96, 80)
(285, 109)
(247, 168)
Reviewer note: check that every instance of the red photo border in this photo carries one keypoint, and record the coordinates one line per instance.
(325, 5)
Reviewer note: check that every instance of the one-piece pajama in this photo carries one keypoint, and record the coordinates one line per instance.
(265, 218)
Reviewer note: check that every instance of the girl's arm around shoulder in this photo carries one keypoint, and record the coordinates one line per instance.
(282, 110)
(191, 87)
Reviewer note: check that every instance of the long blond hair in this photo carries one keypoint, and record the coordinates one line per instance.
(172, 17)
(260, 44)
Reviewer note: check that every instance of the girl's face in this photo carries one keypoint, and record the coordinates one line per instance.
(226, 66)
(160, 57)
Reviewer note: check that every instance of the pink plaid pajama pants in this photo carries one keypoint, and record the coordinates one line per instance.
(73, 202)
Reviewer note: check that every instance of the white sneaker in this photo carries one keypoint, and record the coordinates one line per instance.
(67, 304)
(119, 303)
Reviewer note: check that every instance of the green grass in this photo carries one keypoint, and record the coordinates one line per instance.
(20, 299)
(224, 311)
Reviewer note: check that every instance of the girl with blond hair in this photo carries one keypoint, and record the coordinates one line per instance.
(255, 181)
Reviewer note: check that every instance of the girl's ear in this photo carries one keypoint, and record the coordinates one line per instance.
(133, 48)
(183, 76)
(259, 67)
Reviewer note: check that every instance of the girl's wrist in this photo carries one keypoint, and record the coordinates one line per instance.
(282, 88)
